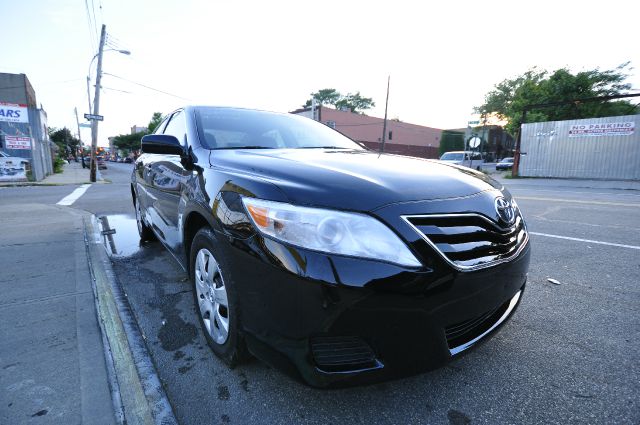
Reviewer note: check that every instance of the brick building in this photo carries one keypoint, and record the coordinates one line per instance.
(23, 125)
(402, 138)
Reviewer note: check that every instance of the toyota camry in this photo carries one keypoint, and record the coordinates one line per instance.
(332, 262)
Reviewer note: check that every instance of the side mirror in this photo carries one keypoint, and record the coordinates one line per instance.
(162, 144)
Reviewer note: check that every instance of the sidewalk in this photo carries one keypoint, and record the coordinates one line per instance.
(572, 183)
(71, 351)
(52, 358)
(73, 174)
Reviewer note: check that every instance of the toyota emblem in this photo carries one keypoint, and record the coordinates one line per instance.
(505, 210)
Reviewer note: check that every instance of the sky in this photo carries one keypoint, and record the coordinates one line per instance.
(442, 56)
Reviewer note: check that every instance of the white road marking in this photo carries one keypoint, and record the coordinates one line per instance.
(73, 196)
(619, 245)
(575, 201)
(569, 190)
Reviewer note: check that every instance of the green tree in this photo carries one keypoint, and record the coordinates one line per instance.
(128, 142)
(509, 97)
(451, 141)
(63, 138)
(355, 102)
(156, 119)
(324, 97)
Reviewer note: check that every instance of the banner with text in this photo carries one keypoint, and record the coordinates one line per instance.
(14, 142)
(12, 112)
(602, 129)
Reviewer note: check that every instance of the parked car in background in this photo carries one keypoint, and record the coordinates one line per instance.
(321, 257)
(465, 158)
(505, 164)
(102, 164)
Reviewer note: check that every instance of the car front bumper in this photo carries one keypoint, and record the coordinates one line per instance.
(340, 321)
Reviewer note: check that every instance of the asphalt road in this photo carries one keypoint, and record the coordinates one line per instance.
(569, 355)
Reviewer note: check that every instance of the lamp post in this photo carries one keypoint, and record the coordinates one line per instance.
(96, 100)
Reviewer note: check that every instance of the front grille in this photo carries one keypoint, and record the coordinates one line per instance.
(342, 354)
(460, 333)
(470, 241)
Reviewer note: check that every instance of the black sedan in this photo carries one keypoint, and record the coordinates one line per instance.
(334, 263)
(505, 164)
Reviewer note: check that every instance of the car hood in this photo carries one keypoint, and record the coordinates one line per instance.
(352, 180)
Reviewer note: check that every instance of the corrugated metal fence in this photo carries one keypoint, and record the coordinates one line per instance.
(594, 148)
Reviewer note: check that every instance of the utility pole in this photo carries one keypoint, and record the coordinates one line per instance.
(313, 109)
(384, 126)
(96, 108)
(79, 138)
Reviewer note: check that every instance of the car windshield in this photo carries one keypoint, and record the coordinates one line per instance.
(228, 128)
(452, 156)
(507, 160)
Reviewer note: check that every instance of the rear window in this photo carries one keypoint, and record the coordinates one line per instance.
(452, 156)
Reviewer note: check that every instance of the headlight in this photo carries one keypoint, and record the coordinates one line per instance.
(329, 231)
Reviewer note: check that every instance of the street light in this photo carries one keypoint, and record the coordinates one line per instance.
(124, 52)
(96, 99)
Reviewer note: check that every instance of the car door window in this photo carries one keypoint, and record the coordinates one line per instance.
(160, 127)
(177, 127)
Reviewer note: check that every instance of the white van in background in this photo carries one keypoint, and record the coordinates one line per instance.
(465, 158)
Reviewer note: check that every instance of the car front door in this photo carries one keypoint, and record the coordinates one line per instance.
(143, 166)
(167, 178)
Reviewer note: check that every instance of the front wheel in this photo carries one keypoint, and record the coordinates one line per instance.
(145, 232)
(215, 298)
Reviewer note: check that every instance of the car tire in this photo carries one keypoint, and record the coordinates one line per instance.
(213, 287)
(145, 232)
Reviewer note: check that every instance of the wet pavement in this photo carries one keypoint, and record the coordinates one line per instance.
(570, 354)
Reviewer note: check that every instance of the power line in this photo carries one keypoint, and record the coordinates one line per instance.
(100, 8)
(113, 41)
(147, 87)
(109, 88)
(93, 10)
(92, 33)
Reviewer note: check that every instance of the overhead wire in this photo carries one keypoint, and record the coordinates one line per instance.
(121, 91)
(147, 87)
(93, 10)
(92, 32)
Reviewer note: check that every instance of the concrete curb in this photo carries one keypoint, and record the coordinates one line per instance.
(138, 395)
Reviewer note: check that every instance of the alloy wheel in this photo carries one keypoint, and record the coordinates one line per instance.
(139, 218)
(212, 296)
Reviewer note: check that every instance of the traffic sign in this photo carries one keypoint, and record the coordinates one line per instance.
(474, 142)
(92, 117)
(83, 125)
